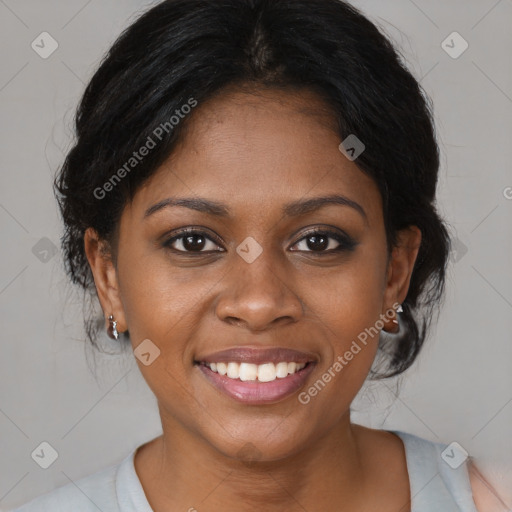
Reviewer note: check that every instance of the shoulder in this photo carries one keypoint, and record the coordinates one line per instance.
(88, 494)
(456, 469)
(485, 497)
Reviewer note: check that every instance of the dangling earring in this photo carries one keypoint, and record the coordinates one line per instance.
(395, 327)
(112, 328)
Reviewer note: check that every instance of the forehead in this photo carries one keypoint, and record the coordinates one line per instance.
(260, 150)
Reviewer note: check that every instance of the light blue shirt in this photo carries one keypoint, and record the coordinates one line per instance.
(435, 485)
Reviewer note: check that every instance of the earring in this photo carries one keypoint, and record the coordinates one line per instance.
(395, 327)
(112, 328)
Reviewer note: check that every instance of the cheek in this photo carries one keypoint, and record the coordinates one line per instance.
(350, 298)
(157, 297)
(157, 307)
(348, 307)
(347, 311)
(162, 305)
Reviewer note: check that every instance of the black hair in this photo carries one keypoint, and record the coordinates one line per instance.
(185, 51)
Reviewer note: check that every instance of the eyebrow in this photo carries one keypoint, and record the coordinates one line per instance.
(293, 209)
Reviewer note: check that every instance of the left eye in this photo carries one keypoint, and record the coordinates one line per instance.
(321, 241)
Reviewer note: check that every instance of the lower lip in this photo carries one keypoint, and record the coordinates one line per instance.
(255, 392)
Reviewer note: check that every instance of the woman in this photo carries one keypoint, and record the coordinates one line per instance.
(251, 196)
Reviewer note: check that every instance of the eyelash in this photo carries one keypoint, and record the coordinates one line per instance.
(346, 243)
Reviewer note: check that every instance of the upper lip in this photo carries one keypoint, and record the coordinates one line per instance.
(258, 356)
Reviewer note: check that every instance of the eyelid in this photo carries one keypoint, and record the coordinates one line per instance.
(345, 241)
(190, 231)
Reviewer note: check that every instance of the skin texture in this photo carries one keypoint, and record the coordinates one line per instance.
(486, 498)
(255, 153)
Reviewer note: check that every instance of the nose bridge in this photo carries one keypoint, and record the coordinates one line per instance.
(257, 292)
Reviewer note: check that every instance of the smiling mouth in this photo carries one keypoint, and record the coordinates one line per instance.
(257, 375)
(249, 372)
(256, 384)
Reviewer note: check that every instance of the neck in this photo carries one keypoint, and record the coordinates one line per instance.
(181, 471)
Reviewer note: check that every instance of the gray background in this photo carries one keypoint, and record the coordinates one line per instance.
(460, 389)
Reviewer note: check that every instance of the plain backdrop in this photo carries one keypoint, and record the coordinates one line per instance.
(460, 388)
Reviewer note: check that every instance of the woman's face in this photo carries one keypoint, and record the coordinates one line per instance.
(255, 277)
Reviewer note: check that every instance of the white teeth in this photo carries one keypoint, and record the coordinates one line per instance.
(282, 370)
(221, 368)
(233, 370)
(266, 372)
(247, 371)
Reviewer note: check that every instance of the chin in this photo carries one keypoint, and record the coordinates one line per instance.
(267, 444)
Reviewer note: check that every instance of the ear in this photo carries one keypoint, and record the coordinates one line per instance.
(99, 256)
(401, 265)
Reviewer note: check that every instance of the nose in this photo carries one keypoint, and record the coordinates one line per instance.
(258, 295)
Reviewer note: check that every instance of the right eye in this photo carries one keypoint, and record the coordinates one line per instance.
(191, 241)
